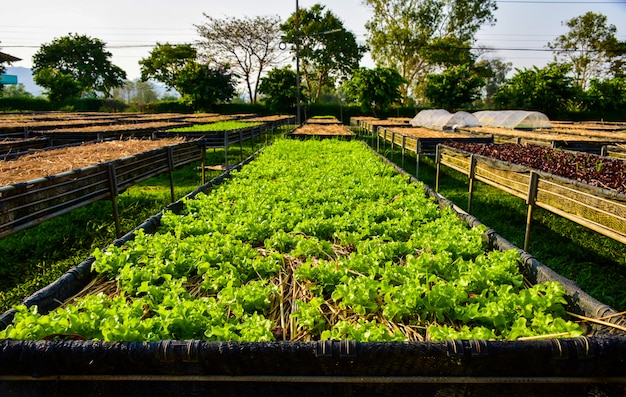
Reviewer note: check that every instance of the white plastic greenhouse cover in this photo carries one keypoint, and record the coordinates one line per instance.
(520, 119)
(441, 119)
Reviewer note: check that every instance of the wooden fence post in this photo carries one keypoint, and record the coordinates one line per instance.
(532, 197)
(225, 150)
(113, 191)
(418, 150)
(403, 148)
(170, 164)
(241, 144)
(438, 162)
(472, 169)
(203, 154)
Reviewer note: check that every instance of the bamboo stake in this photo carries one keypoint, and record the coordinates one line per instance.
(598, 321)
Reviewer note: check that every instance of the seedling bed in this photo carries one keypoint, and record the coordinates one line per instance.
(597, 208)
(305, 366)
(15, 147)
(421, 141)
(323, 120)
(321, 131)
(589, 143)
(373, 126)
(50, 183)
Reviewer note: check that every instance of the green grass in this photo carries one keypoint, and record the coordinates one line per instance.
(595, 262)
(35, 257)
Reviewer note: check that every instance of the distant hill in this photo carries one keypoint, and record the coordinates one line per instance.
(25, 76)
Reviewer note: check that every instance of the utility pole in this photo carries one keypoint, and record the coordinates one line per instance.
(297, 21)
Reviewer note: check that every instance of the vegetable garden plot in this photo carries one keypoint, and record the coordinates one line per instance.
(274, 122)
(11, 148)
(329, 130)
(314, 240)
(324, 120)
(589, 144)
(372, 126)
(422, 141)
(288, 254)
(597, 208)
(29, 198)
(221, 134)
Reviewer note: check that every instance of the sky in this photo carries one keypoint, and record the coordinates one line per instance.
(130, 29)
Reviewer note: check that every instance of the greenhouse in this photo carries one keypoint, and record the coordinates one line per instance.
(514, 119)
(441, 119)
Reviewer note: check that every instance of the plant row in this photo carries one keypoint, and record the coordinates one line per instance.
(313, 240)
(609, 173)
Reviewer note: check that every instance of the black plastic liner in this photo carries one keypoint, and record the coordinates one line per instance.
(586, 366)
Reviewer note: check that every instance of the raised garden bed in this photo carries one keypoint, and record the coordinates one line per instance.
(421, 141)
(323, 120)
(220, 134)
(15, 147)
(50, 183)
(597, 208)
(307, 366)
(330, 130)
(564, 139)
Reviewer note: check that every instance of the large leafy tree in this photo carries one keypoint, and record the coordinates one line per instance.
(327, 51)
(374, 89)
(249, 45)
(279, 89)
(166, 61)
(606, 96)
(75, 65)
(15, 91)
(413, 36)
(203, 85)
(177, 66)
(456, 87)
(495, 77)
(550, 90)
(591, 48)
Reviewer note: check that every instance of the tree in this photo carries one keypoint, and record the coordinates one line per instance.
(327, 51)
(374, 89)
(412, 36)
(495, 78)
(203, 86)
(590, 47)
(15, 91)
(75, 65)
(606, 96)
(249, 45)
(279, 90)
(456, 87)
(177, 67)
(136, 92)
(166, 61)
(550, 90)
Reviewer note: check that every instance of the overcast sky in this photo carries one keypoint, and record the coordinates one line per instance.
(131, 28)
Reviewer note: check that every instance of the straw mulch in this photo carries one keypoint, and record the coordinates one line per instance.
(51, 162)
(321, 129)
